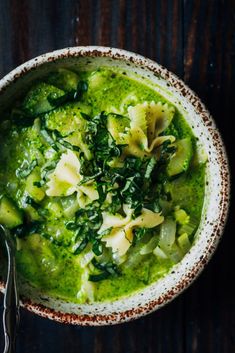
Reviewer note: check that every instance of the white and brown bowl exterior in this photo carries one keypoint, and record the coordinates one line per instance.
(216, 194)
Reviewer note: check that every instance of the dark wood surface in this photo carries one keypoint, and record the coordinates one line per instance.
(196, 40)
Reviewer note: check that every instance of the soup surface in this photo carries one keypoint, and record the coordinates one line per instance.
(101, 183)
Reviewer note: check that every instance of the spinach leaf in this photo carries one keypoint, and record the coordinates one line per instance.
(139, 233)
(116, 203)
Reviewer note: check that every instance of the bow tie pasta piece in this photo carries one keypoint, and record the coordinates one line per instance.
(121, 235)
(137, 143)
(147, 219)
(118, 241)
(158, 141)
(147, 121)
(117, 220)
(66, 176)
(65, 179)
(86, 194)
(137, 116)
(117, 125)
(159, 117)
(153, 118)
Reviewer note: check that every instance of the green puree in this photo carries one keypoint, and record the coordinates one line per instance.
(81, 164)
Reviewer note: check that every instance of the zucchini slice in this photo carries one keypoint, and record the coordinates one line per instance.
(34, 191)
(64, 79)
(10, 215)
(37, 101)
(180, 161)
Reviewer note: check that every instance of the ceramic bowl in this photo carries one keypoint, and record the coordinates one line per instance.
(216, 194)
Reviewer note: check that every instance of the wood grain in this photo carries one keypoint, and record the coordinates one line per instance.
(194, 39)
(209, 58)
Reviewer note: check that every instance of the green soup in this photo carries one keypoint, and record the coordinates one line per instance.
(100, 183)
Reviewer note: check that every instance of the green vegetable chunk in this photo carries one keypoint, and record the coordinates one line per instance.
(180, 161)
(32, 185)
(184, 242)
(38, 100)
(64, 79)
(10, 215)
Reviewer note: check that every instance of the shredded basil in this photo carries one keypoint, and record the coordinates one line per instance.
(73, 95)
(150, 167)
(100, 141)
(81, 246)
(20, 118)
(98, 277)
(97, 247)
(53, 240)
(44, 173)
(57, 137)
(28, 228)
(28, 200)
(26, 169)
(107, 269)
(71, 225)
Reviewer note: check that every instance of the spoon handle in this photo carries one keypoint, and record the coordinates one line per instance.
(11, 304)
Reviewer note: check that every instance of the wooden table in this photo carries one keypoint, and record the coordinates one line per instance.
(196, 40)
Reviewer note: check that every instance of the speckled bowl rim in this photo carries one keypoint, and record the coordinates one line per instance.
(224, 191)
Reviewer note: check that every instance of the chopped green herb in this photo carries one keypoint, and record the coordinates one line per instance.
(28, 228)
(26, 169)
(73, 95)
(81, 246)
(108, 269)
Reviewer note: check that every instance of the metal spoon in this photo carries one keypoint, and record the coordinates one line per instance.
(11, 300)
